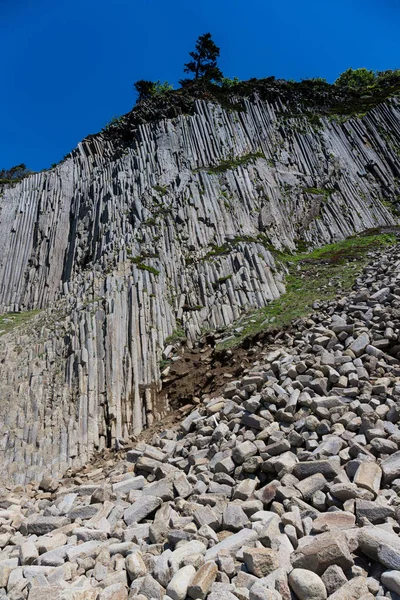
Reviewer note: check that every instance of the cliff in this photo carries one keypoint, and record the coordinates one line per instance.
(167, 230)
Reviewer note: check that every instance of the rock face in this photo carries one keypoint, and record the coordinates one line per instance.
(159, 521)
(119, 249)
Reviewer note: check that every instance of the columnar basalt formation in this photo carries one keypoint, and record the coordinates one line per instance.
(176, 231)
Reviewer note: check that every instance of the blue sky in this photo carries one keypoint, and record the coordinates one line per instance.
(69, 66)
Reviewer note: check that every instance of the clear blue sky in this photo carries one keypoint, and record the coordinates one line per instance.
(69, 65)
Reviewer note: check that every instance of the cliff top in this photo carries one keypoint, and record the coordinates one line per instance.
(313, 97)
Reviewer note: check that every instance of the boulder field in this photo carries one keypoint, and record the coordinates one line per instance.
(283, 487)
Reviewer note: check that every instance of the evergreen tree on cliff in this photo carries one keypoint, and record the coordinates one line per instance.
(144, 89)
(204, 61)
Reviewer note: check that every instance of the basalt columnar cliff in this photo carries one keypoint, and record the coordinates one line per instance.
(167, 223)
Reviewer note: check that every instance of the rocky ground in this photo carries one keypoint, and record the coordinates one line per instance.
(285, 486)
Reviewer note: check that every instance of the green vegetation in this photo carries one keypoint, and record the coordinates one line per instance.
(233, 163)
(164, 363)
(318, 192)
(138, 261)
(161, 189)
(365, 79)
(229, 245)
(162, 87)
(221, 281)
(10, 321)
(177, 335)
(363, 89)
(354, 93)
(392, 206)
(317, 275)
(356, 78)
(15, 174)
(227, 84)
(115, 122)
(204, 61)
(149, 89)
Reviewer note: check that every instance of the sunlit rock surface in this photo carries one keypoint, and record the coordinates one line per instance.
(120, 249)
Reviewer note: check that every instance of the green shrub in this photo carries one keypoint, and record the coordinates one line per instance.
(161, 88)
(115, 122)
(14, 174)
(356, 78)
(227, 83)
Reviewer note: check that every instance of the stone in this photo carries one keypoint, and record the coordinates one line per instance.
(135, 566)
(206, 516)
(50, 592)
(222, 595)
(260, 561)
(51, 542)
(307, 585)
(328, 468)
(116, 591)
(325, 549)
(336, 327)
(234, 518)
(141, 509)
(391, 467)
(368, 476)
(126, 485)
(232, 543)
(28, 553)
(150, 588)
(308, 486)
(182, 485)
(260, 592)
(56, 557)
(85, 594)
(5, 570)
(244, 489)
(243, 451)
(333, 579)
(380, 545)
(373, 511)
(355, 589)
(185, 550)
(178, 586)
(339, 519)
(202, 581)
(391, 581)
(40, 525)
(360, 344)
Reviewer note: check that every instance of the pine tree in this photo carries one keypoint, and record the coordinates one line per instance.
(204, 60)
(144, 88)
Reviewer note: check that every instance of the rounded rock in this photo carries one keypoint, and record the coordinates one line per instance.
(391, 581)
(178, 586)
(135, 566)
(307, 585)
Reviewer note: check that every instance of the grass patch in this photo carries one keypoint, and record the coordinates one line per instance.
(164, 363)
(161, 189)
(233, 163)
(221, 281)
(137, 260)
(318, 192)
(317, 275)
(10, 321)
(391, 206)
(177, 335)
(228, 246)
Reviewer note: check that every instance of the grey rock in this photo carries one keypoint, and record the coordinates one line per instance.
(307, 585)
(245, 537)
(141, 509)
(179, 584)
